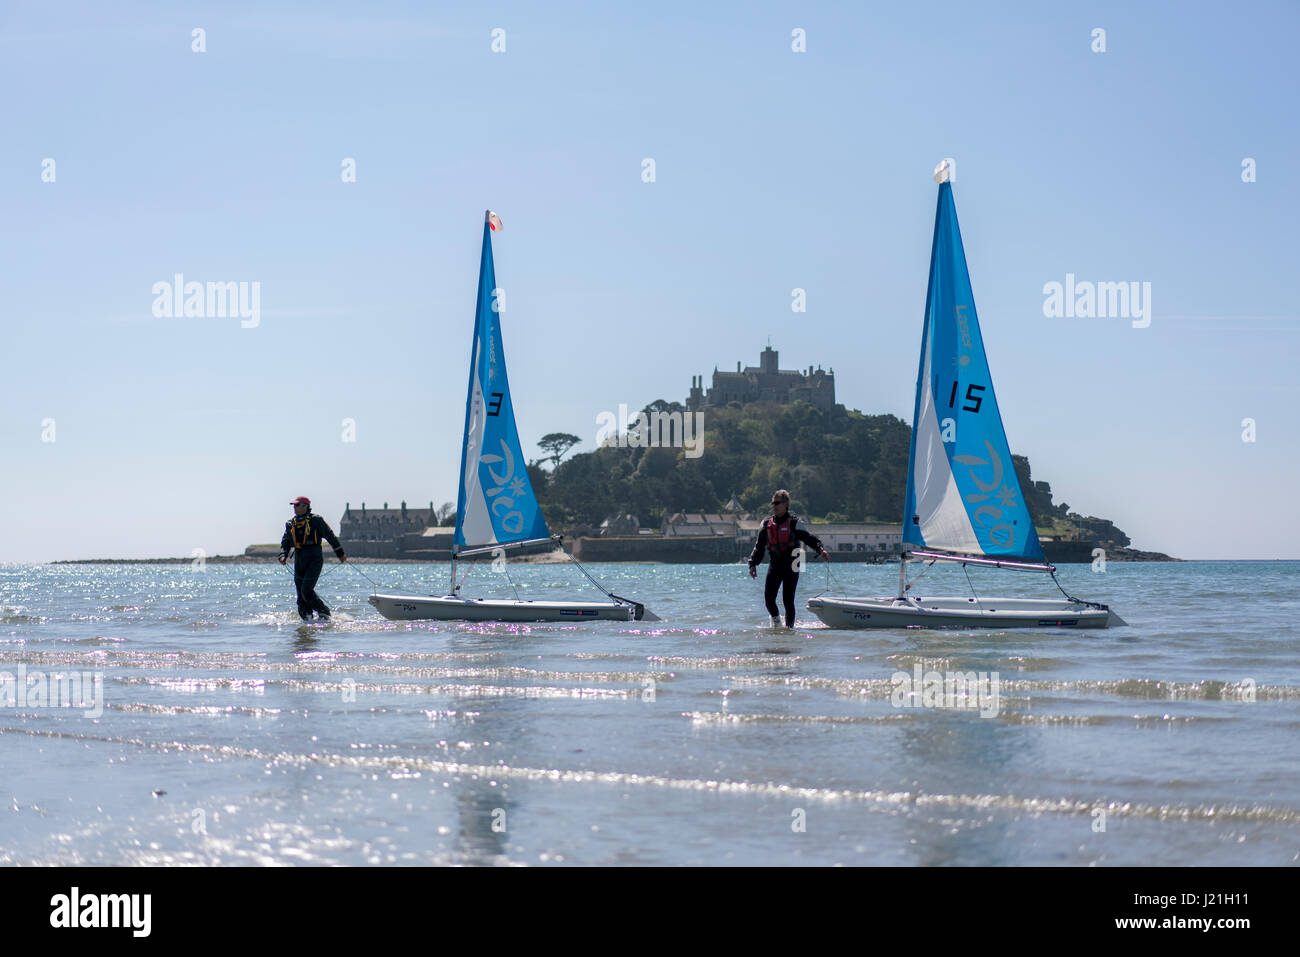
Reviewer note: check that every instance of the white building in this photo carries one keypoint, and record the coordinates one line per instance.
(840, 536)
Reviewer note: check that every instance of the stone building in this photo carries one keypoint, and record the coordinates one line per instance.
(764, 383)
(699, 524)
(382, 532)
(621, 524)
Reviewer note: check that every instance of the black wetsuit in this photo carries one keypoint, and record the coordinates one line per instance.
(780, 570)
(303, 535)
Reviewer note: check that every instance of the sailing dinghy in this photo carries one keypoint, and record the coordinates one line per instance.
(496, 509)
(964, 501)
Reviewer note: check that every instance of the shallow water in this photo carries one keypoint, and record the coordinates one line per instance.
(229, 734)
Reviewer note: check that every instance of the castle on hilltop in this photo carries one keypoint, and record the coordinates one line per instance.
(764, 383)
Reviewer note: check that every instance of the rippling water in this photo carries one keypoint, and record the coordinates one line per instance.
(230, 734)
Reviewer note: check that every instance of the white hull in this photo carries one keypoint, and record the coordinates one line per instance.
(421, 608)
(959, 613)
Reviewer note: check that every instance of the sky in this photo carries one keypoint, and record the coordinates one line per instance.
(128, 156)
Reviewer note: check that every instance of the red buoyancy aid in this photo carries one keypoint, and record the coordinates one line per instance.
(780, 536)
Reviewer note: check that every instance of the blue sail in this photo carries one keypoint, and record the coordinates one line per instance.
(496, 504)
(963, 495)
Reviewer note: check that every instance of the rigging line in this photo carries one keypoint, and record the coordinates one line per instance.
(469, 567)
(1077, 601)
(506, 568)
(584, 571)
(598, 585)
(971, 583)
(638, 608)
(918, 577)
(1063, 591)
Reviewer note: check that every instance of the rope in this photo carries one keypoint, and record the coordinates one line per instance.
(1077, 601)
(828, 580)
(373, 584)
(327, 568)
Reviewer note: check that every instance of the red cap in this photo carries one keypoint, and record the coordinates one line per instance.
(301, 500)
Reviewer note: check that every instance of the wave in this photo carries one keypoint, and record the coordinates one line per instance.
(873, 799)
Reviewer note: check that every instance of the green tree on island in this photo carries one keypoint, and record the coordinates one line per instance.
(557, 444)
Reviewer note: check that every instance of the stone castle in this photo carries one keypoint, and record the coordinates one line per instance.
(764, 383)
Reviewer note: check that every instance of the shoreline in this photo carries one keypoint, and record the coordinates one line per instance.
(546, 559)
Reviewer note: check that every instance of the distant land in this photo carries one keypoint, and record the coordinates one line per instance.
(722, 452)
(838, 464)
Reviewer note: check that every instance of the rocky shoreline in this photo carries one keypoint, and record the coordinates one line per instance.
(1137, 555)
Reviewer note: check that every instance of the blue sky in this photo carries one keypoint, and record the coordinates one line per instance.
(774, 170)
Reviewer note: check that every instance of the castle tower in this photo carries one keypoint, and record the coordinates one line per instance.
(696, 399)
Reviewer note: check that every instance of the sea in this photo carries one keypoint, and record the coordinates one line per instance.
(163, 714)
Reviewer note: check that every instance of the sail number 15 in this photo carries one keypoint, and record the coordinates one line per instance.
(972, 396)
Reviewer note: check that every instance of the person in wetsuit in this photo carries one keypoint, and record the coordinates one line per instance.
(779, 537)
(303, 533)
